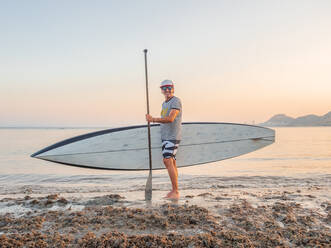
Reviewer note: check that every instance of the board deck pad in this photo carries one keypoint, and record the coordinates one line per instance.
(126, 148)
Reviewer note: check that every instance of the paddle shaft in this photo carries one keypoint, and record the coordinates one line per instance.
(148, 124)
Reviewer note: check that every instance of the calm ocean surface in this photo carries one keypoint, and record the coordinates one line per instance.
(299, 152)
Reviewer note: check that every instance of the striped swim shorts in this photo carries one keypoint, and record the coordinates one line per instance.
(169, 148)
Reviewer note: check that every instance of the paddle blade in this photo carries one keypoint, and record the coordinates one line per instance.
(148, 189)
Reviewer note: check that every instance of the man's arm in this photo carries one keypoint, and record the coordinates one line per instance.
(172, 115)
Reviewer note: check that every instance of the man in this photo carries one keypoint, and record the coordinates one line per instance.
(170, 120)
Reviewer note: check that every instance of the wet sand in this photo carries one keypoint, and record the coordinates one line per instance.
(227, 214)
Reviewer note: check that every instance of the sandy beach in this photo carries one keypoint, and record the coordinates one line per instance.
(275, 212)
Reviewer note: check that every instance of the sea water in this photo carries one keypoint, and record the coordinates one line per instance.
(298, 152)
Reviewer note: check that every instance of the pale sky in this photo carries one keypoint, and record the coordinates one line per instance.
(80, 63)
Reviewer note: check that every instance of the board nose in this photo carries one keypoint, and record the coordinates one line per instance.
(36, 154)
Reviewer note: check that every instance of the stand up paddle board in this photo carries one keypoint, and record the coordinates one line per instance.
(126, 148)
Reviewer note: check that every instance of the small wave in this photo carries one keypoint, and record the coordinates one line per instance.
(287, 159)
(70, 179)
(111, 183)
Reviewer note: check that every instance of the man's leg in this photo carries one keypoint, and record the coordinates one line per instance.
(174, 160)
(173, 174)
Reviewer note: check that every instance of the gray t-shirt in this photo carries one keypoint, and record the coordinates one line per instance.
(172, 130)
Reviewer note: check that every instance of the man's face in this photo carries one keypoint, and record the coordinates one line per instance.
(167, 91)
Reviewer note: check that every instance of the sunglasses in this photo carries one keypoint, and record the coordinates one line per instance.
(166, 88)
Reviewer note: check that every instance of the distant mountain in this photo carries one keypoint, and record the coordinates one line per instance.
(307, 120)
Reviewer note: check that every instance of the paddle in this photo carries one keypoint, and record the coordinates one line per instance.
(148, 189)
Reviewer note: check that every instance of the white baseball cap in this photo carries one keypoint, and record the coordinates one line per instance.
(167, 82)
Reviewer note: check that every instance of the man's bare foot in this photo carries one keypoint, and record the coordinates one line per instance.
(173, 195)
(168, 194)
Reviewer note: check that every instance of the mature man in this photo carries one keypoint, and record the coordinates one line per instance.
(170, 120)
